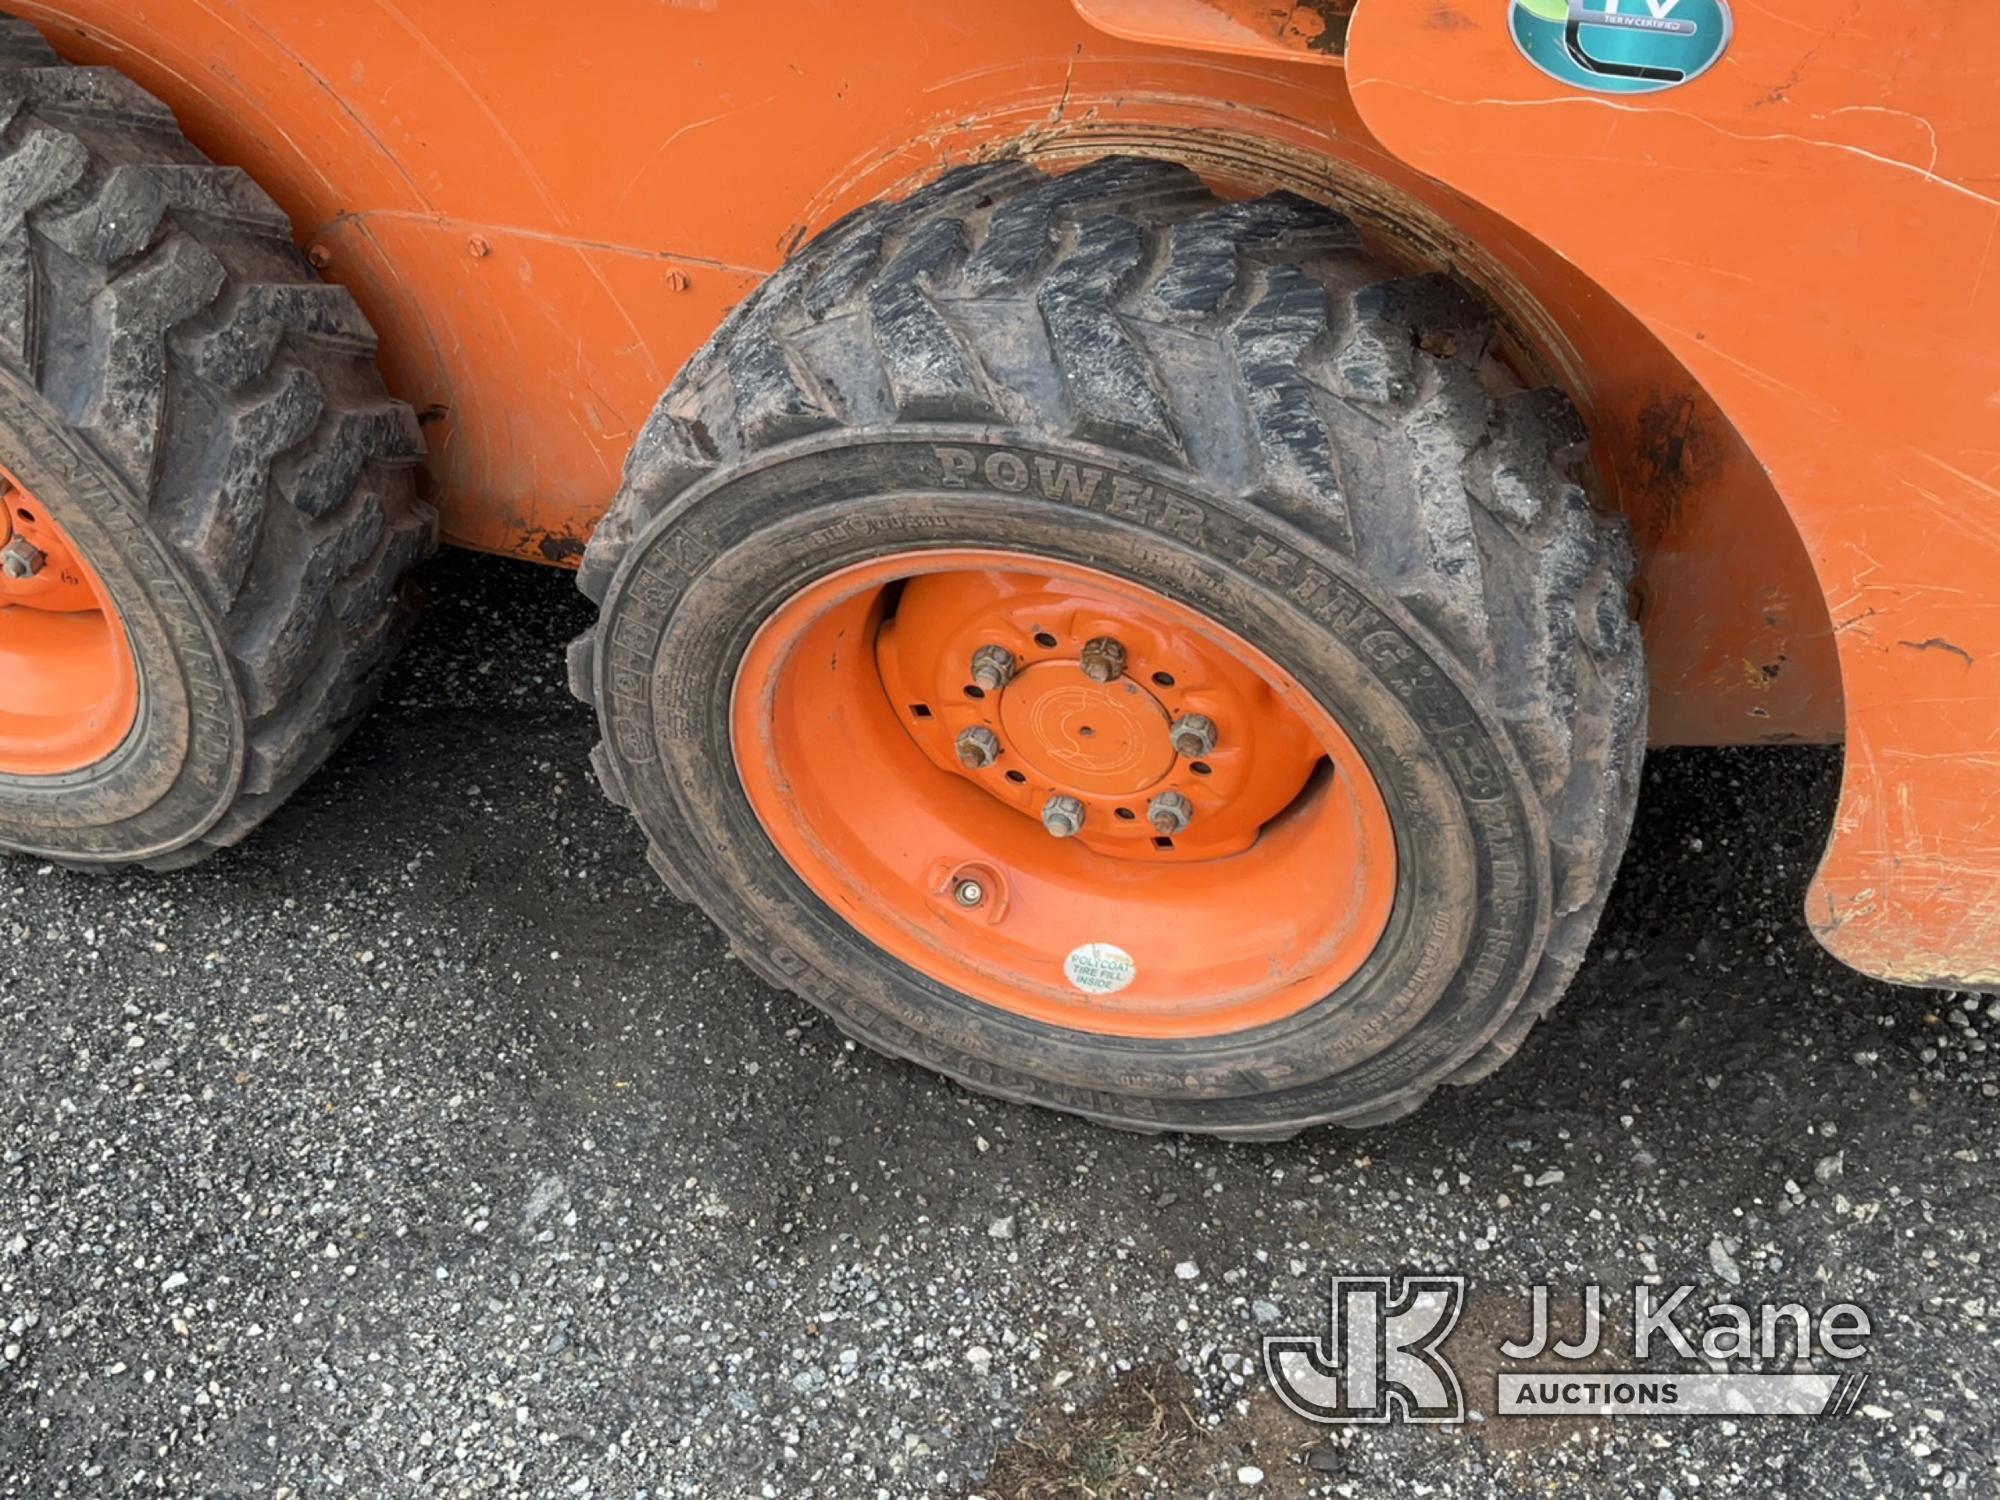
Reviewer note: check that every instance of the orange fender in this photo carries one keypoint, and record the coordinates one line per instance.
(1813, 228)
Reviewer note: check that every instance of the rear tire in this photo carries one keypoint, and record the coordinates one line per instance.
(203, 419)
(1320, 456)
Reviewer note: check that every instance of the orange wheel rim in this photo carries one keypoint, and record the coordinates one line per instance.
(902, 727)
(69, 691)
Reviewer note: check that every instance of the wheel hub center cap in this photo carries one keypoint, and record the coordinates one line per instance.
(1110, 739)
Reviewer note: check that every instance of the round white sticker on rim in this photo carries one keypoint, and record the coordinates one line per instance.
(1100, 968)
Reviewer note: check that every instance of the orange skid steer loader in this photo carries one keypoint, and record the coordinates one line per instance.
(1123, 529)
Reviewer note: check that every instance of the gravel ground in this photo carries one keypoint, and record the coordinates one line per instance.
(424, 1145)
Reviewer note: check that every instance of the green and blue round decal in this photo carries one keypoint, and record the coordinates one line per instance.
(1622, 46)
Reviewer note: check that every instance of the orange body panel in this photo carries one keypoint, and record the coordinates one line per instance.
(1814, 229)
(545, 209)
(1762, 288)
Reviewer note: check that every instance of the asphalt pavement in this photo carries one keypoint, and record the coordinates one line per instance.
(424, 1145)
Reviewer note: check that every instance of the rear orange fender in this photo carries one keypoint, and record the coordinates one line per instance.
(1813, 229)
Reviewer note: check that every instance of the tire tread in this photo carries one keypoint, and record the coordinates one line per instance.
(1468, 501)
(158, 302)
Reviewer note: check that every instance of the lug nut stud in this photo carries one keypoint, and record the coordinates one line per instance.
(1194, 736)
(1103, 659)
(1062, 816)
(978, 747)
(992, 668)
(1169, 813)
(21, 558)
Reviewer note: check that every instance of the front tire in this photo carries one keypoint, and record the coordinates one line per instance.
(211, 494)
(1232, 411)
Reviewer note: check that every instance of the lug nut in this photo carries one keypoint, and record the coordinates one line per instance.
(1194, 736)
(21, 558)
(1062, 816)
(978, 747)
(968, 893)
(1169, 813)
(1103, 659)
(992, 668)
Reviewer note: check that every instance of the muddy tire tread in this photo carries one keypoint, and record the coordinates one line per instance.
(158, 303)
(1312, 358)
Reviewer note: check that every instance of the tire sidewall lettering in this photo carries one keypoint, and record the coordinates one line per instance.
(661, 684)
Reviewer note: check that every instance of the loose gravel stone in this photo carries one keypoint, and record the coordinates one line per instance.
(425, 1145)
(1723, 1264)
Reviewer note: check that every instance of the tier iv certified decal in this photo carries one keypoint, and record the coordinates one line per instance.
(1100, 968)
(1622, 46)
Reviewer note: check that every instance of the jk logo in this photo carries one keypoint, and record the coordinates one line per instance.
(1379, 1359)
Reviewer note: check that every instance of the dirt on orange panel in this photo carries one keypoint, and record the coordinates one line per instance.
(1289, 29)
